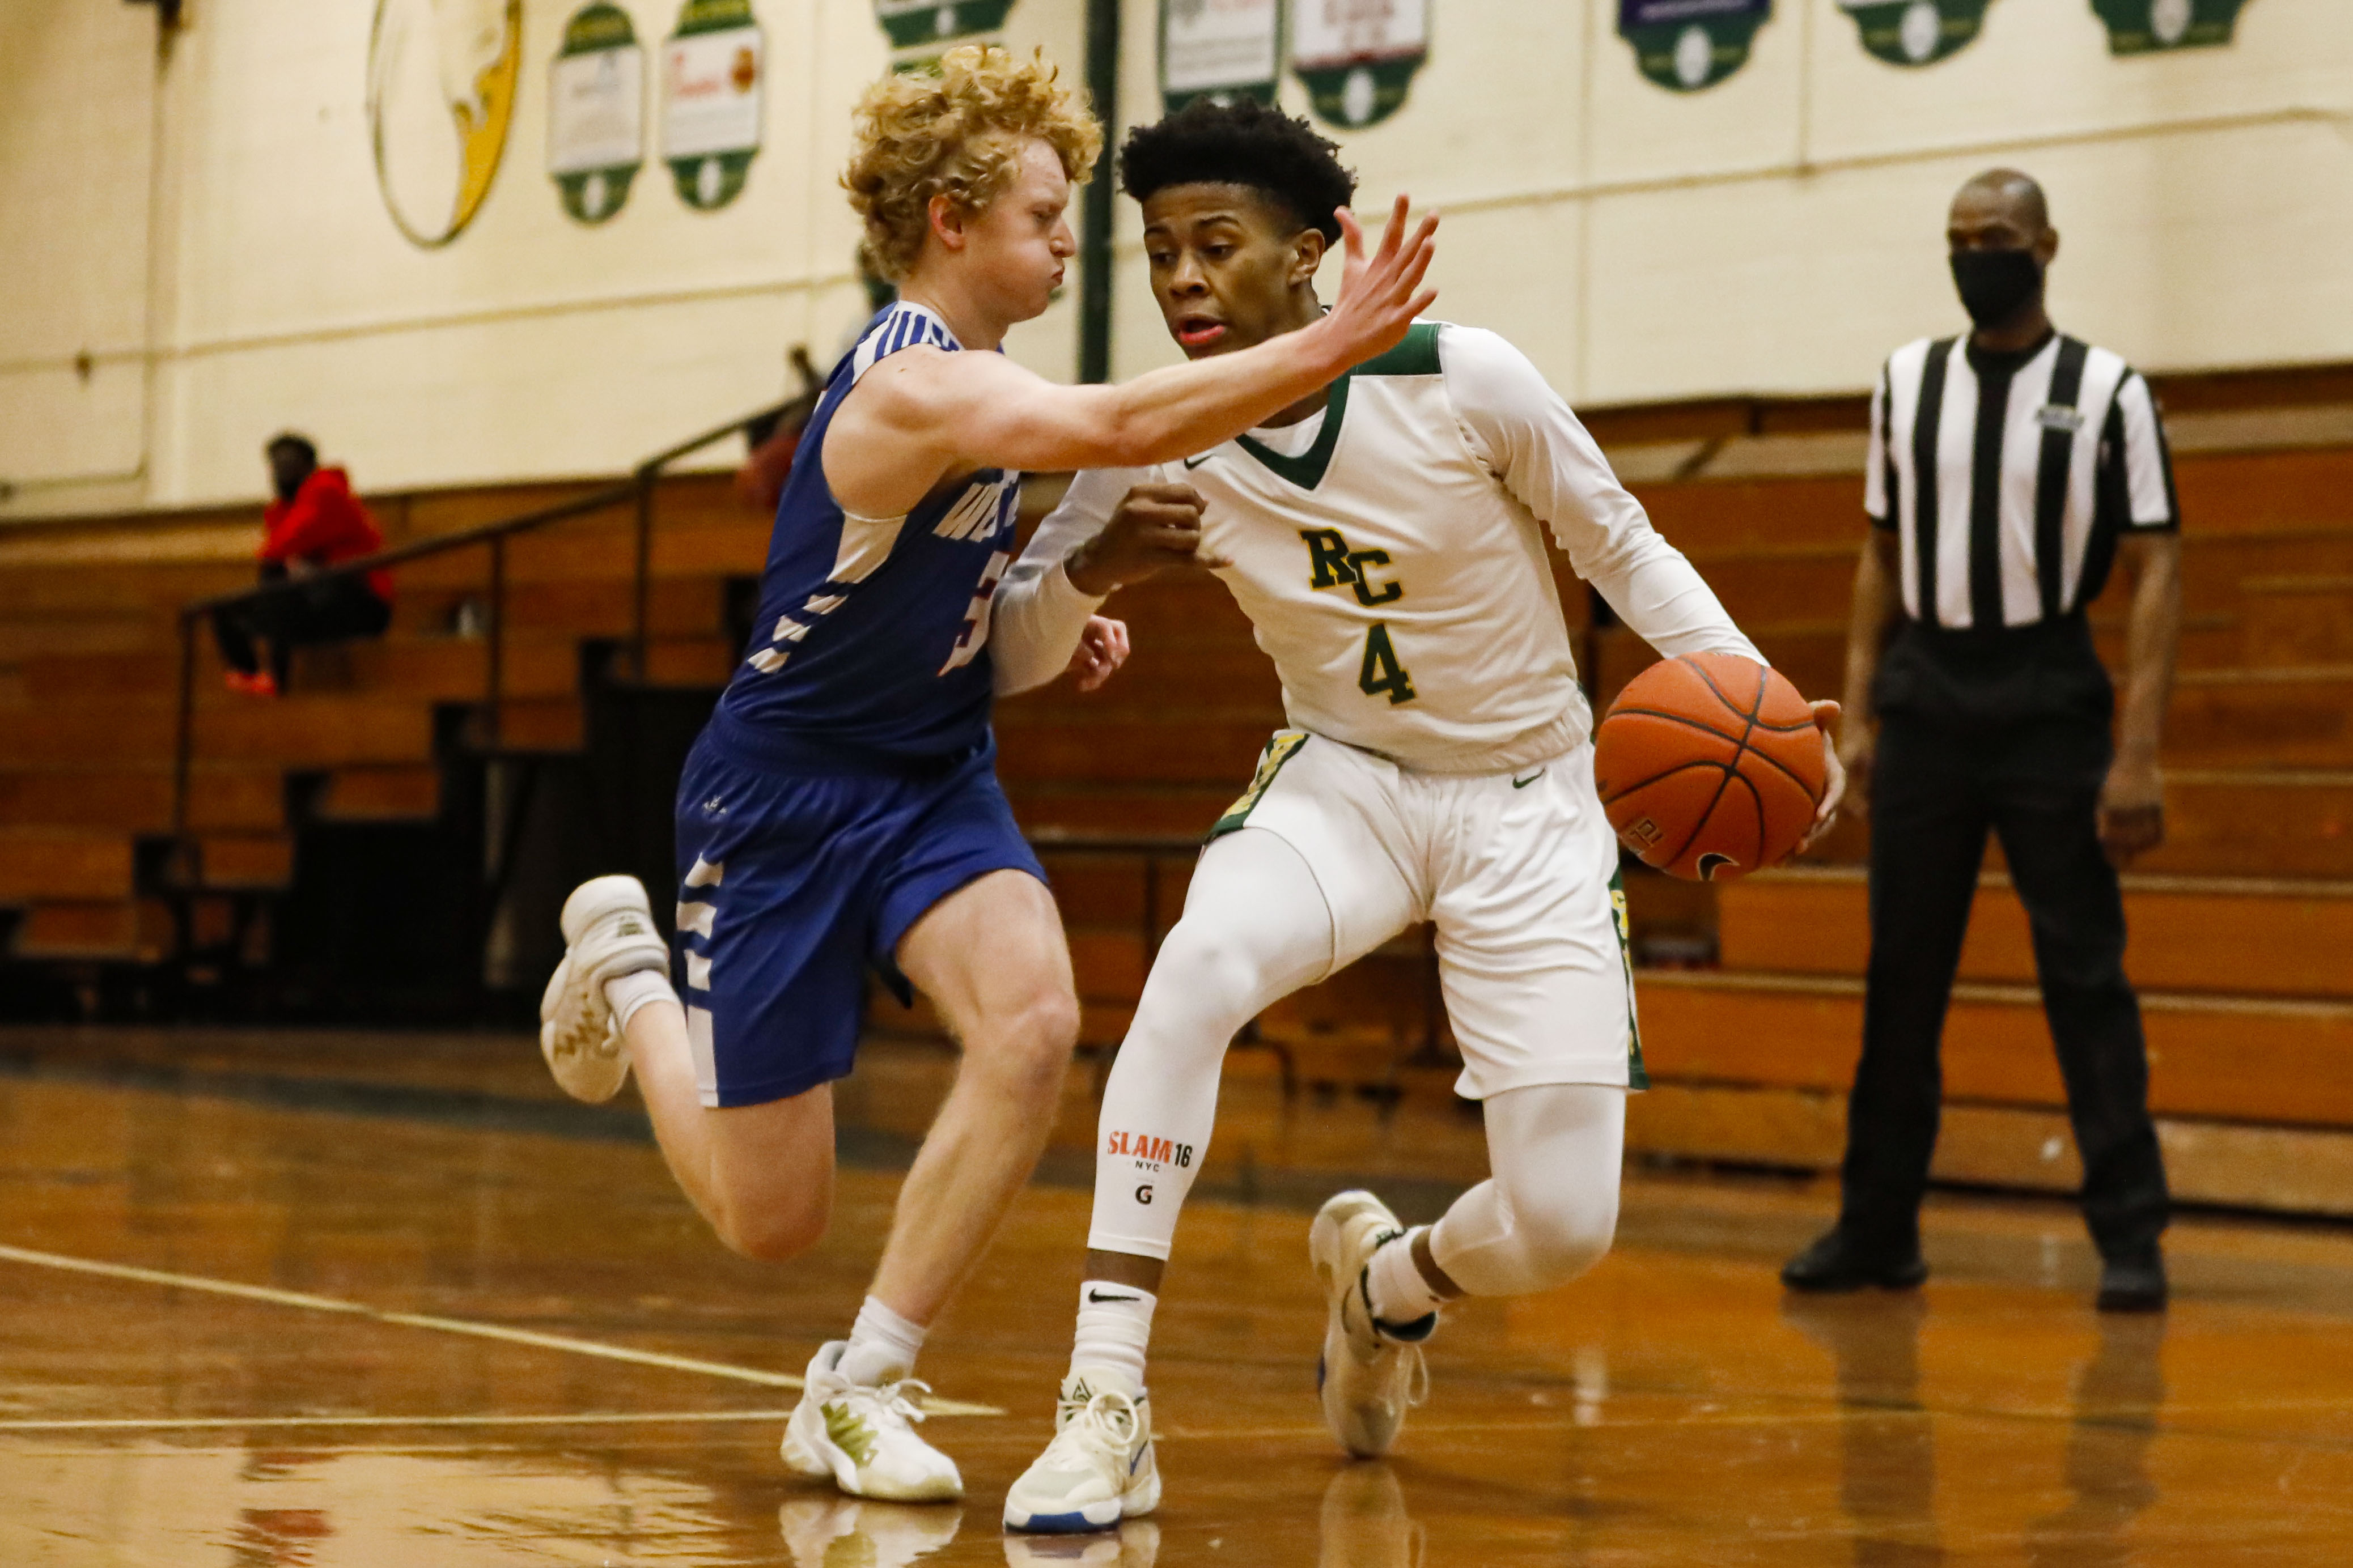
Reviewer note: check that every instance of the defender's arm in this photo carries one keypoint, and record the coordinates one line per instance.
(1039, 614)
(1115, 526)
(924, 414)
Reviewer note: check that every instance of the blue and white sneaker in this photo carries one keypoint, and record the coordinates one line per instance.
(1099, 1470)
(1371, 1373)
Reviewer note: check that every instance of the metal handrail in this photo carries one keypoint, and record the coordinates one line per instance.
(639, 488)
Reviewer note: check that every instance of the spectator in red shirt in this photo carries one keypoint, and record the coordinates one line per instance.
(314, 521)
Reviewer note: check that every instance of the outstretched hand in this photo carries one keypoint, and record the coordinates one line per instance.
(1381, 294)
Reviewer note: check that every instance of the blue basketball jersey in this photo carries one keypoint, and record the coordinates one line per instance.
(870, 651)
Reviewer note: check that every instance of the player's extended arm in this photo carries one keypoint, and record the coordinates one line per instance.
(1544, 455)
(1038, 615)
(1114, 526)
(2132, 800)
(924, 414)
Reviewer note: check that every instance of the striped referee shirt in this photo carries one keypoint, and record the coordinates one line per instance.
(2010, 477)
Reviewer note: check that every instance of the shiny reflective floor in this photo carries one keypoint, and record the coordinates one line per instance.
(283, 1300)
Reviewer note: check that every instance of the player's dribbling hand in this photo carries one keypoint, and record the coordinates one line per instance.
(1826, 715)
(1103, 648)
(1380, 294)
(1156, 527)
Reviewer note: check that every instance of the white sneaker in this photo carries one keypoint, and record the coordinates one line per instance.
(864, 1438)
(611, 928)
(825, 1532)
(1370, 1374)
(1100, 1467)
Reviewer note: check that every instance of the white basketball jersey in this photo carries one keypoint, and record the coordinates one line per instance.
(1393, 560)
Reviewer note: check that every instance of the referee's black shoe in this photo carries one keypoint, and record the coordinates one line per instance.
(1834, 1262)
(2134, 1282)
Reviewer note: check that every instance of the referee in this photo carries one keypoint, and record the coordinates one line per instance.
(2009, 471)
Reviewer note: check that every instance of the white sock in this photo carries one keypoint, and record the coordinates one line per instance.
(1114, 1325)
(625, 993)
(1401, 1295)
(882, 1346)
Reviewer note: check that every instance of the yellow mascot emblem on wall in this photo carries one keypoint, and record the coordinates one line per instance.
(441, 93)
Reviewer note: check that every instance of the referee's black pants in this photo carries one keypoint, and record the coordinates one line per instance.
(1935, 790)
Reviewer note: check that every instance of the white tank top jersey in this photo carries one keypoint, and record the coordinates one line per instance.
(1390, 553)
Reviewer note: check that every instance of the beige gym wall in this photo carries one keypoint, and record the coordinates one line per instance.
(283, 295)
(1781, 232)
(1777, 234)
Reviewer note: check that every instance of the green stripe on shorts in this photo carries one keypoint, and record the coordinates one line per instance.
(1280, 749)
(1635, 1076)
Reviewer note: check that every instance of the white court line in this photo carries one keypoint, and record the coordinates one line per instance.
(238, 1423)
(563, 1342)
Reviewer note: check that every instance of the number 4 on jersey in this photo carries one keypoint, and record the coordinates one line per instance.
(1381, 675)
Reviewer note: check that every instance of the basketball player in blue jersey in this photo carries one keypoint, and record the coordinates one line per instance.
(841, 811)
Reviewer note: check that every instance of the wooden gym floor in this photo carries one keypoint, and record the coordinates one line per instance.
(382, 1301)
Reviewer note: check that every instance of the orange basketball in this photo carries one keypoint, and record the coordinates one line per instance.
(1709, 766)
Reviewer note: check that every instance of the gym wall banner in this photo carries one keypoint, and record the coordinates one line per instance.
(1358, 57)
(1221, 49)
(442, 94)
(1686, 45)
(2153, 26)
(921, 31)
(597, 113)
(1916, 32)
(713, 68)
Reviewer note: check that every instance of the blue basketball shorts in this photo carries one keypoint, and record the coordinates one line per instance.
(792, 886)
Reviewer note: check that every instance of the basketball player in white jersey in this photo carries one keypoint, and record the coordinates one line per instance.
(1386, 537)
(840, 813)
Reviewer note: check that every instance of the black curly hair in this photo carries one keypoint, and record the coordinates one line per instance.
(1241, 142)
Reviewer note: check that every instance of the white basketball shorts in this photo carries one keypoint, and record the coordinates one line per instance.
(1518, 871)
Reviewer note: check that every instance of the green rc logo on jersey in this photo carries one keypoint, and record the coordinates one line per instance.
(1686, 45)
(1332, 564)
(1916, 32)
(2152, 27)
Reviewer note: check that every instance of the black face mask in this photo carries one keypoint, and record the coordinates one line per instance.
(1994, 284)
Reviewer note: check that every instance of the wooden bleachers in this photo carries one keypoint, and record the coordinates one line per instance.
(88, 666)
(2240, 921)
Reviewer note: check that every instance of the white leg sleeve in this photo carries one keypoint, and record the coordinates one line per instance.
(1549, 1213)
(1255, 929)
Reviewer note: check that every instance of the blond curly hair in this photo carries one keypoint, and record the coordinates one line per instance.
(956, 129)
